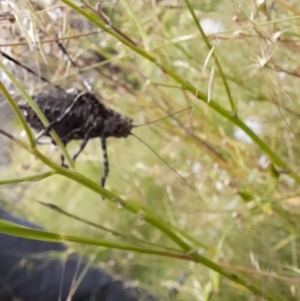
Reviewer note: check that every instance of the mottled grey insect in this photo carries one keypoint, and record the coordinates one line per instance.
(76, 115)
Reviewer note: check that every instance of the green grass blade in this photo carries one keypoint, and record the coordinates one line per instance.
(33, 178)
(204, 37)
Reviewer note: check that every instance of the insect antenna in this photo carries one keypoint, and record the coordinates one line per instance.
(165, 117)
(163, 160)
(5, 55)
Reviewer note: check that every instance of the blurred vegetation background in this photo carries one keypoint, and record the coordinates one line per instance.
(236, 65)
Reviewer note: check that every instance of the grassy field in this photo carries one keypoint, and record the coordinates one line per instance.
(230, 222)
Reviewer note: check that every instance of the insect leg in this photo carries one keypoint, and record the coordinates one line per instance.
(62, 159)
(105, 161)
(49, 127)
(65, 139)
(82, 145)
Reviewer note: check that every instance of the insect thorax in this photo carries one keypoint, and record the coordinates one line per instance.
(88, 116)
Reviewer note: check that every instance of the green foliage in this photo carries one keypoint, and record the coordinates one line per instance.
(235, 235)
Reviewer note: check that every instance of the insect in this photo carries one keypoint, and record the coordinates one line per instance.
(77, 115)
